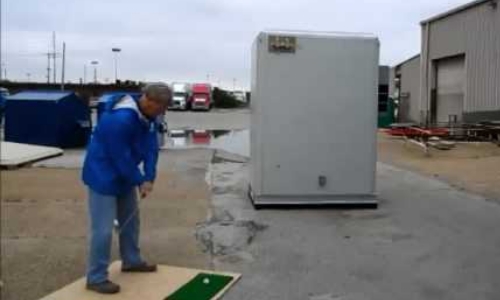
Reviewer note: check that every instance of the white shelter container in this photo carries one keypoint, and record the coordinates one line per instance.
(313, 118)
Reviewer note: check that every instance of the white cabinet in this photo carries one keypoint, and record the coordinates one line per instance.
(313, 118)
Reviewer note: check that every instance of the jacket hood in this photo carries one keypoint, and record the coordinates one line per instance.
(125, 102)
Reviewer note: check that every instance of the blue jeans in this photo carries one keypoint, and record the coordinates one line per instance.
(103, 209)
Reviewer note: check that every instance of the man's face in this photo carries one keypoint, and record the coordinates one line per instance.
(152, 108)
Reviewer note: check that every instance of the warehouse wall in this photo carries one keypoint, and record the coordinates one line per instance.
(392, 82)
(409, 72)
(474, 32)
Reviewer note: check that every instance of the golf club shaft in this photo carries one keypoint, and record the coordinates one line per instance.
(119, 227)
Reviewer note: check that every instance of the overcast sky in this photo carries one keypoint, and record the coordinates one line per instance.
(188, 40)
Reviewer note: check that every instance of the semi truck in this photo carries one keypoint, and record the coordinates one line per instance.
(202, 96)
(182, 96)
(240, 96)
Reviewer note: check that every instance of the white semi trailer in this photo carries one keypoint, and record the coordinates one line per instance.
(182, 96)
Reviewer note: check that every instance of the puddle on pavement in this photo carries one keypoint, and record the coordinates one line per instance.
(234, 141)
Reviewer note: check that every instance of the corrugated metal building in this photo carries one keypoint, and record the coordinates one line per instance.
(457, 76)
(460, 70)
(405, 86)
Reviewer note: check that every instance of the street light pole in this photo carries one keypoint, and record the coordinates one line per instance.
(84, 73)
(95, 63)
(63, 66)
(116, 51)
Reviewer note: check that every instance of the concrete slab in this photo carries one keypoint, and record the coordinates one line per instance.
(426, 241)
(44, 223)
(72, 159)
(15, 154)
(151, 286)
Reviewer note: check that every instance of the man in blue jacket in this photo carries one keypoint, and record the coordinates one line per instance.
(121, 159)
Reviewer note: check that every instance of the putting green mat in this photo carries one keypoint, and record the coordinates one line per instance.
(168, 282)
(203, 287)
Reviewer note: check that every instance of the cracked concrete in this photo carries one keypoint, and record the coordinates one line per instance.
(225, 233)
(228, 232)
(226, 236)
(335, 297)
(426, 241)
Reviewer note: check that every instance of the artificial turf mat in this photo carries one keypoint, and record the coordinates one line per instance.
(151, 286)
(197, 289)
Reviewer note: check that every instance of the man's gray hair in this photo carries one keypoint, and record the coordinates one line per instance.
(158, 92)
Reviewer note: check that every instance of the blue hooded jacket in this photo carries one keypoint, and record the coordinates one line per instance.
(123, 141)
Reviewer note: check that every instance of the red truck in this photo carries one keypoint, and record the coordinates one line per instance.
(201, 97)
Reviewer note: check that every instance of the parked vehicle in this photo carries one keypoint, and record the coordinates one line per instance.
(201, 137)
(202, 96)
(240, 96)
(182, 96)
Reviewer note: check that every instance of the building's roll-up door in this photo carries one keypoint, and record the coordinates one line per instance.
(450, 89)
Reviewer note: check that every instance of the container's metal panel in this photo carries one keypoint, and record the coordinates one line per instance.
(316, 129)
(320, 34)
(450, 89)
(255, 107)
(474, 32)
(410, 90)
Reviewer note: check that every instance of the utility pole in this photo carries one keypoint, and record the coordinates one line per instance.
(95, 63)
(63, 66)
(48, 67)
(84, 73)
(54, 55)
(116, 51)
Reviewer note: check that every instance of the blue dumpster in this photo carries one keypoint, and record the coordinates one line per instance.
(58, 119)
(2, 107)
